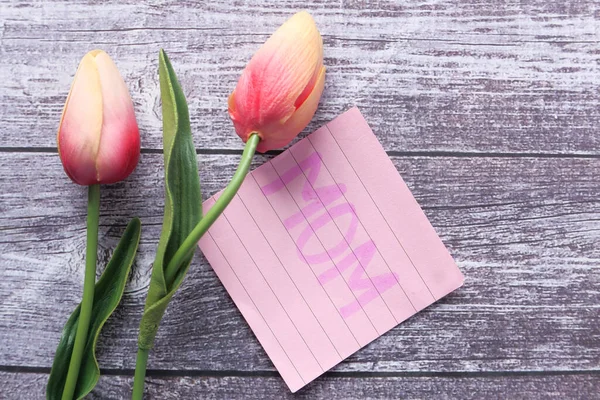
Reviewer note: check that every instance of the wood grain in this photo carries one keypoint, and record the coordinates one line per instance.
(523, 230)
(488, 109)
(330, 386)
(430, 76)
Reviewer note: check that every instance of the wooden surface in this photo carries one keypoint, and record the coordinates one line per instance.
(489, 110)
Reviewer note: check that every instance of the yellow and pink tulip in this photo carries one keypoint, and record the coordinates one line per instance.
(98, 136)
(279, 90)
(98, 142)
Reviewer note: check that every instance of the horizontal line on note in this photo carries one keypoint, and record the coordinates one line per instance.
(391, 153)
(331, 374)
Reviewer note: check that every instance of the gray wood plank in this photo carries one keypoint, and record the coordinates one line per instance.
(446, 76)
(523, 230)
(563, 387)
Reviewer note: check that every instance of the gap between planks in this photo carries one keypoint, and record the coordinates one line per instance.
(332, 374)
(391, 153)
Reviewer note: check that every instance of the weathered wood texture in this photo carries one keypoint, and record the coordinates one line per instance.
(527, 243)
(441, 75)
(586, 386)
(489, 110)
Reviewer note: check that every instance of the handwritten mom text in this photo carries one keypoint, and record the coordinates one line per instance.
(328, 204)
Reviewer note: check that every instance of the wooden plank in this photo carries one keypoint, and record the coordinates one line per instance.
(523, 230)
(581, 386)
(430, 77)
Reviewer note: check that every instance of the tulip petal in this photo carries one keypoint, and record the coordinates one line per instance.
(81, 124)
(231, 103)
(119, 147)
(298, 121)
(309, 87)
(278, 74)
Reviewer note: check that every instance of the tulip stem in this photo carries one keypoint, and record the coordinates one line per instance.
(189, 244)
(87, 301)
(140, 374)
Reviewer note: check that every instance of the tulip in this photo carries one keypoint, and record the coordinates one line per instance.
(98, 142)
(275, 98)
(98, 137)
(279, 90)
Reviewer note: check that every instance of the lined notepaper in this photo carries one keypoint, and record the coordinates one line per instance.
(324, 249)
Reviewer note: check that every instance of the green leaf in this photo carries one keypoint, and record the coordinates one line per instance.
(183, 202)
(107, 295)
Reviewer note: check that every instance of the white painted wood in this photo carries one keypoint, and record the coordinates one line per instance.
(437, 75)
(523, 230)
(489, 111)
(580, 386)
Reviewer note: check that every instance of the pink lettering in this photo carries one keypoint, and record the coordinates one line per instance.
(320, 198)
(312, 164)
(312, 228)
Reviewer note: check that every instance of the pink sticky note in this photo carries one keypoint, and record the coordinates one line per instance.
(324, 249)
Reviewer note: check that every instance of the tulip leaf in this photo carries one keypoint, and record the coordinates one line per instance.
(107, 295)
(183, 201)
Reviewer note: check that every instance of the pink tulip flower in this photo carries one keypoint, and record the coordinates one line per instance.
(279, 90)
(98, 136)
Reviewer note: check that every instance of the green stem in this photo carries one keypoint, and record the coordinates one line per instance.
(87, 301)
(190, 242)
(140, 374)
